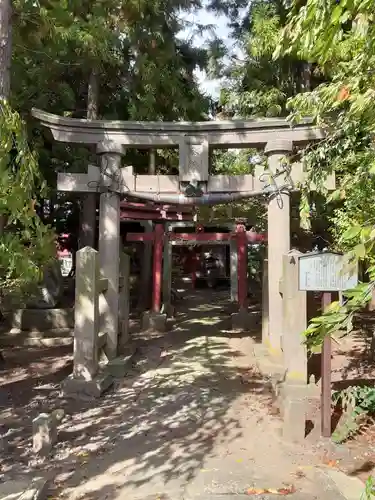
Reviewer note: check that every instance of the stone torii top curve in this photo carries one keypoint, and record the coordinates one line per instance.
(237, 133)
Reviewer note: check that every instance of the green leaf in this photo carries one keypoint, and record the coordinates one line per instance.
(336, 14)
(316, 349)
(360, 251)
(351, 232)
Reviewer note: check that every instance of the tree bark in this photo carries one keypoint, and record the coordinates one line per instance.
(5, 47)
(306, 77)
(5, 62)
(92, 95)
(5, 65)
(88, 212)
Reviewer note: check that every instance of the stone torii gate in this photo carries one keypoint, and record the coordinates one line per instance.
(193, 185)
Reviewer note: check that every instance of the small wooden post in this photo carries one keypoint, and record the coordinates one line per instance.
(242, 265)
(167, 275)
(157, 268)
(326, 375)
(265, 312)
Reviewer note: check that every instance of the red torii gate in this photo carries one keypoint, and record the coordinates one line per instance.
(152, 212)
(148, 211)
(156, 237)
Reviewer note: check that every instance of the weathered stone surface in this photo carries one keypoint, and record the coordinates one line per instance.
(109, 254)
(169, 310)
(86, 312)
(124, 301)
(50, 289)
(154, 321)
(238, 133)
(40, 319)
(345, 487)
(6, 438)
(241, 320)
(49, 338)
(44, 434)
(45, 431)
(294, 320)
(294, 419)
(194, 158)
(23, 489)
(269, 365)
(119, 366)
(86, 389)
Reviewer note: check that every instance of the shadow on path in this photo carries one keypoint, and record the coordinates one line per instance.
(190, 419)
(163, 423)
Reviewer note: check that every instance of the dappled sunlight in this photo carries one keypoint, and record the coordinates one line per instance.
(206, 308)
(172, 412)
(204, 321)
(191, 397)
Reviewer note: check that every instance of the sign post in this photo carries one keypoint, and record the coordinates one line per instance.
(325, 401)
(325, 272)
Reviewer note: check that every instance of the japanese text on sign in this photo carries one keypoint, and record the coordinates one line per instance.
(326, 272)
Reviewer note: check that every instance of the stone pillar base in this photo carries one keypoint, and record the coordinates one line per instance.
(119, 366)
(87, 389)
(294, 411)
(154, 321)
(169, 310)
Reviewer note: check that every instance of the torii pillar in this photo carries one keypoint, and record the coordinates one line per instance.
(144, 299)
(109, 241)
(278, 245)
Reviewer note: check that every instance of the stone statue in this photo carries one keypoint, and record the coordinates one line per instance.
(50, 289)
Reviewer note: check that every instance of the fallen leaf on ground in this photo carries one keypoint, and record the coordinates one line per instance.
(82, 454)
(280, 491)
(299, 473)
(330, 463)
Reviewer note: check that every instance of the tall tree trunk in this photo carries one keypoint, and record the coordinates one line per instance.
(306, 77)
(5, 61)
(88, 212)
(5, 64)
(5, 47)
(92, 95)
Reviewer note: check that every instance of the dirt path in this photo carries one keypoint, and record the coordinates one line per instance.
(191, 421)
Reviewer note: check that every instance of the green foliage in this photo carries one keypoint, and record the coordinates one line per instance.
(145, 71)
(357, 402)
(338, 38)
(231, 162)
(369, 493)
(257, 85)
(26, 244)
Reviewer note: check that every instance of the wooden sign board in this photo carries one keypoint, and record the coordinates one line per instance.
(325, 272)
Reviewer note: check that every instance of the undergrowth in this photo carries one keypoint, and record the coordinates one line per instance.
(358, 403)
(369, 493)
